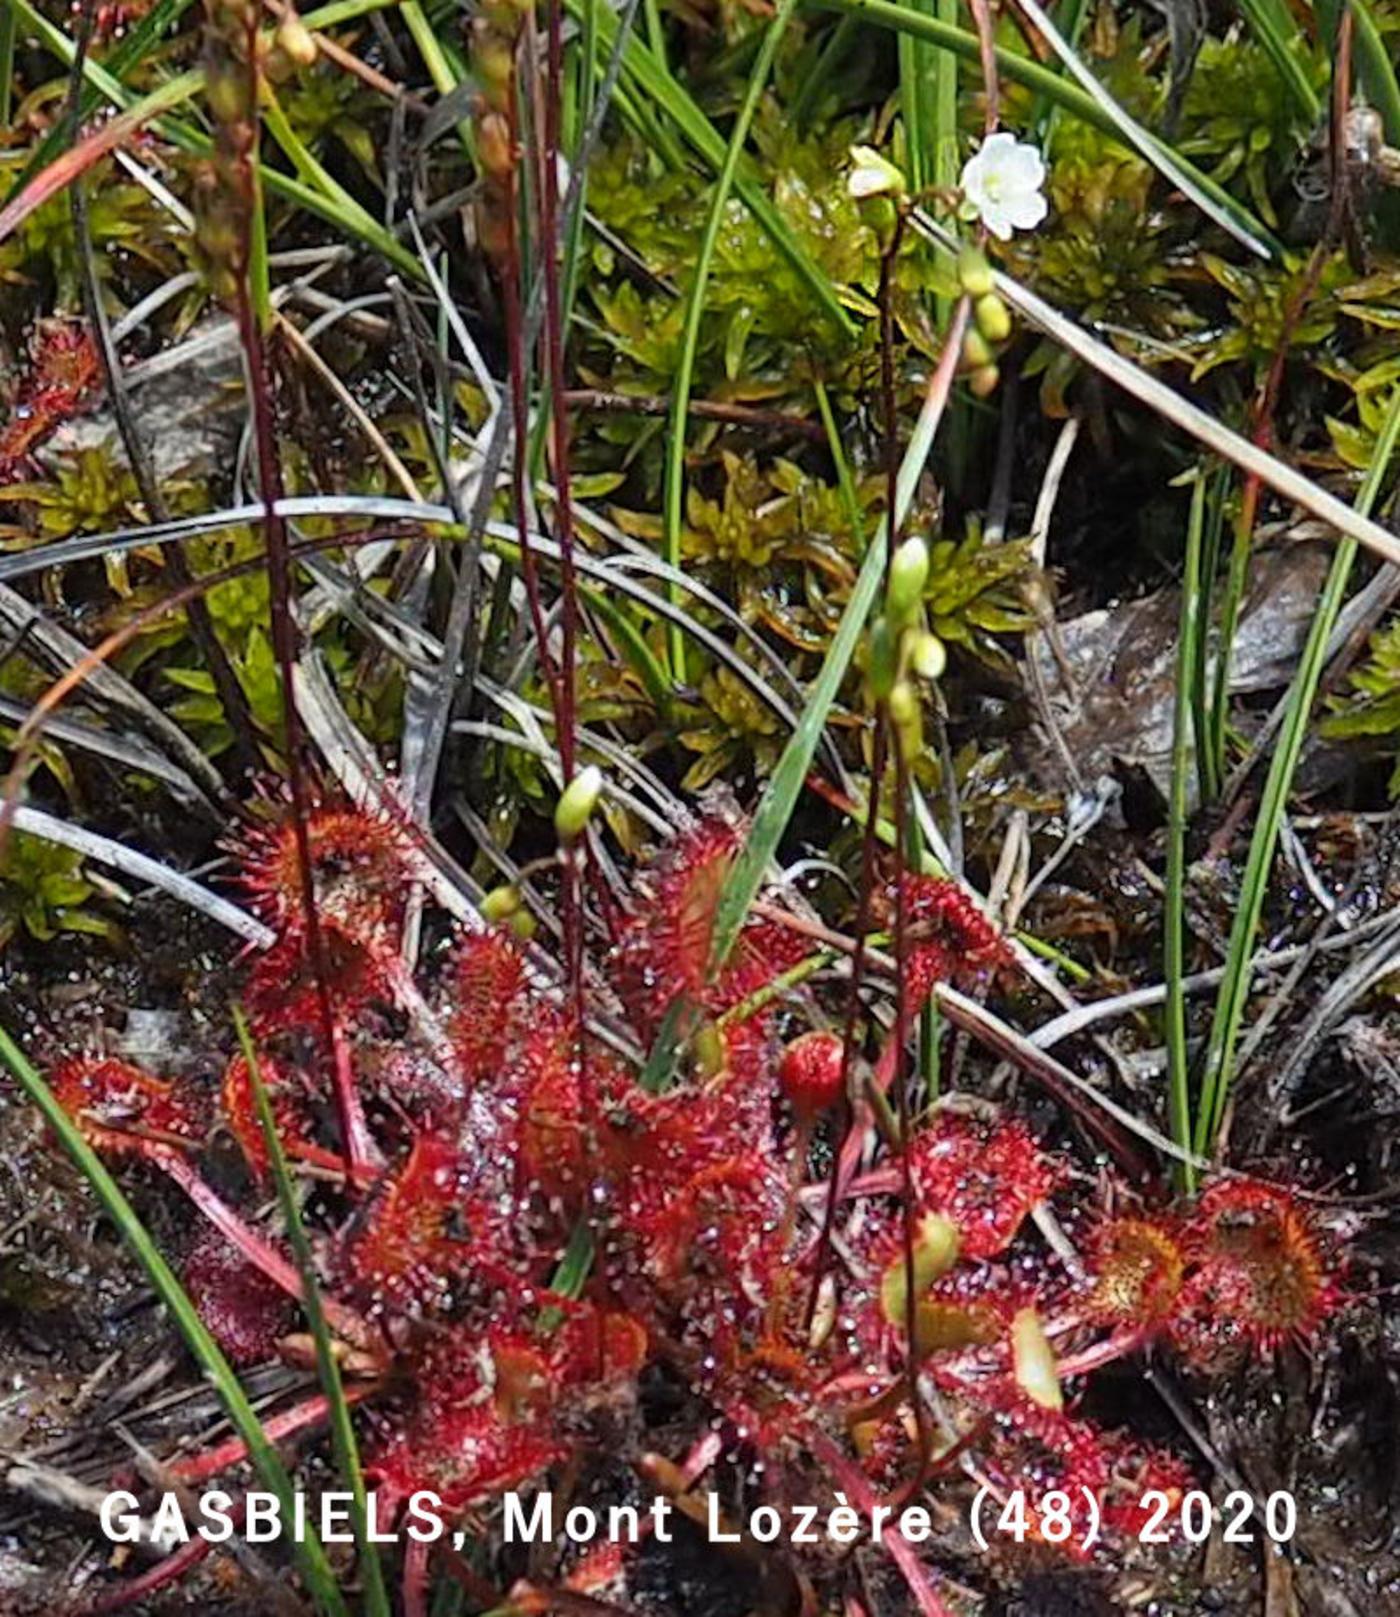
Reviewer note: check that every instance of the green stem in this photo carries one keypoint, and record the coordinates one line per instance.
(1174, 916)
(695, 313)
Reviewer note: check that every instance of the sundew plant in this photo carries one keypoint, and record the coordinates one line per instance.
(697, 853)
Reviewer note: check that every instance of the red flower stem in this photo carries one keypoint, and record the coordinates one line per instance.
(900, 1079)
(520, 424)
(359, 1146)
(259, 1252)
(850, 1137)
(554, 337)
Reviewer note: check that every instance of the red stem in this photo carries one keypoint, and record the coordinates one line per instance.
(361, 1152)
(259, 1252)
(166, 1571)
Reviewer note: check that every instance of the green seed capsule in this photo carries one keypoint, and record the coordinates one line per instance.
(993, 318)
(928, 656)
(974, 272)
(500, 904)
(983, 381)
(908, 575)
(576, 804)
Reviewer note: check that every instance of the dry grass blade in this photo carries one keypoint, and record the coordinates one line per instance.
(131, 862)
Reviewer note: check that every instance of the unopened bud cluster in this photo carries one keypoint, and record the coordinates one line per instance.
(991, 322)
(901, 648)
(223, 187)
(236, 55)
(495, 32)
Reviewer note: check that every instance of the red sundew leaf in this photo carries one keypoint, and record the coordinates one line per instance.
(246, 1313)
(66, 368)
(361, 864)
(664, 947)
(595, 1347)
(551, 1142)
(410, 1241)
(467, 1455)
(1263, 1272)
(1138, 1267)
(489, 1002)
(281, 995)
(663, 950)
(122, 1110)
(291, 1111)
(950, 939)
(984, 1177)
(720, 1223)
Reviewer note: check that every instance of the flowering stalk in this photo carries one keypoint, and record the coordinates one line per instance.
(231, 233)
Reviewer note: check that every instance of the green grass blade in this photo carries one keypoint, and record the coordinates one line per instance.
(695, 314)
(310, 1554)
(818, 76)
(1234, 989)
(1282, 40)
(649, 76)
(437, 62)
(917, 100)
(194, 141)
(1191, 632)
(1376, 69)
(1060, 92)
(788, 778)
(9, 20)
(347, 1453)
(1071, 24)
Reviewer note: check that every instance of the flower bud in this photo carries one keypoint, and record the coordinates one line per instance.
(810, 1072)
(907, 717)
(296, 40)
(983, 381)
(993, 318)
(976, 353)
(974, 272)
(500, 904)
(495, 151)
(908, 575)
(576, 804)
(935, 1251)
(904, 703)
(523, 925)
(873, 175)
(928, 656)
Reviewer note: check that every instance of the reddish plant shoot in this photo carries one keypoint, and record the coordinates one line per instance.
(498, 1141)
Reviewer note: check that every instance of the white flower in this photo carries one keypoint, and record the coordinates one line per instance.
(873, 175)
(1001, 184)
